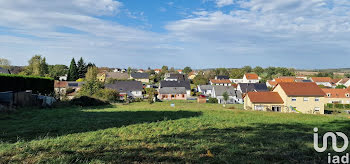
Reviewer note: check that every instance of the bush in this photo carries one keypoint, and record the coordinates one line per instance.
(347, 106)
(86, 101)
(41, 85)
(213, 100)
(138, 100)
(330, 106)
(106, 94)
(340, 106)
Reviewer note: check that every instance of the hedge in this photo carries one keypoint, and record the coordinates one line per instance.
(16, 83)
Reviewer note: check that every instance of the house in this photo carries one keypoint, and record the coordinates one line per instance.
(172, 93)
(325, 81)
(288, 97)
(192, 75)
(247, 78)
(179, 71)
(175, 77)
(157, 71)
(345, 82)
(140, 71)
(252, 87)
(271, 83)
(143, 77)
(338, 96)
(113, 75)
(205, 89)
(251, 78)
(274, 82)
(131, 88)
(67, 88)
(263, 101)
(301, 97)
(178, 84)
(63, 78)
(4, 71)
(235, 97)
(223, 82)
(222, 77)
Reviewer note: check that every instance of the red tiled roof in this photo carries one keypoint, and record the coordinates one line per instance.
(301, 89)
(321, 79)
(265, 97)
(251, 76)
(336, 93)
(272, 83)
(60, 84)
(223, 81)
(343, 81)
(278, 80)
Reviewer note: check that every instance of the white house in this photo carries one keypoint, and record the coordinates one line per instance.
(325, 81)
(223, 82)
(247, 78)
(235, 97)
(206, 90)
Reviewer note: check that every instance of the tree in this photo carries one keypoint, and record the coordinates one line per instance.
(4, 63)
(225, 95)
(247, 69)
(82, 68)
(237, 73)
(90, 65)
(341, 87)
(187, 70)
(165, 69)
(56, 71)
(73, 71)
(129, 70)
(92, 85)
(172, 70)
(37, 66)
(258, 70)
(200, 80)
(347, 75)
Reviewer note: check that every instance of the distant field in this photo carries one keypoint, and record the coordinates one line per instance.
(140, 132)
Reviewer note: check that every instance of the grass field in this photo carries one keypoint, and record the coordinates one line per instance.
(149, 133)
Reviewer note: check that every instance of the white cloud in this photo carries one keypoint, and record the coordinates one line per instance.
(222, 3)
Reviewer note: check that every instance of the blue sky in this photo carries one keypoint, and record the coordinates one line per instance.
(178, 33)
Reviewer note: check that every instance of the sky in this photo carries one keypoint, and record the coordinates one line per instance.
(306, 34)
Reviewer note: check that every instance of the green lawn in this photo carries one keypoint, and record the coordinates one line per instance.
(140, 132)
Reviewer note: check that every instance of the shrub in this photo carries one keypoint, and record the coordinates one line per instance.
(330, 106)
(347, 106)
(340, 106)
(86, 101)
(41, 85)
(106, 94)
(138, 100)
(213, 100)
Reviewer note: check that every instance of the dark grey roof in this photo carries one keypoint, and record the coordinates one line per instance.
(179, 77)
(206, 87)
(140, 75)
(5, 71)
(125, 86)
(220, 90)
(117, 75)
(222, 77)
(251, 87)
(185, 84)
(74, 84)
(172, 90)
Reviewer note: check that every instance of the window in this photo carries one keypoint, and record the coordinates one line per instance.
(317, 99)
(306, 99)
(276, 108)
(347, 95)
(328, 95)
(259, 107)
(294, 99)
(317, 109)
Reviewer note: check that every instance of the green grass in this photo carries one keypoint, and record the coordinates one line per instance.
(152, 133)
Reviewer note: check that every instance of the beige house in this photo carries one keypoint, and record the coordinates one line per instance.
(297, 97)
(340, 96)
(142, 77)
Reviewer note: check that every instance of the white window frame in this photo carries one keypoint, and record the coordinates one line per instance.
(306, 99)
(317, 99)
(317, 109)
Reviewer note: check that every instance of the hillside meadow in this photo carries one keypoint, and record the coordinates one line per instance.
(153, 133)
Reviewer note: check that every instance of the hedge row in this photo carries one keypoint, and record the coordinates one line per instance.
(41, 85)
(339, 106)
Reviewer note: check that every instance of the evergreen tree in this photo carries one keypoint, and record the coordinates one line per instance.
(82, 68)
(73, 71)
